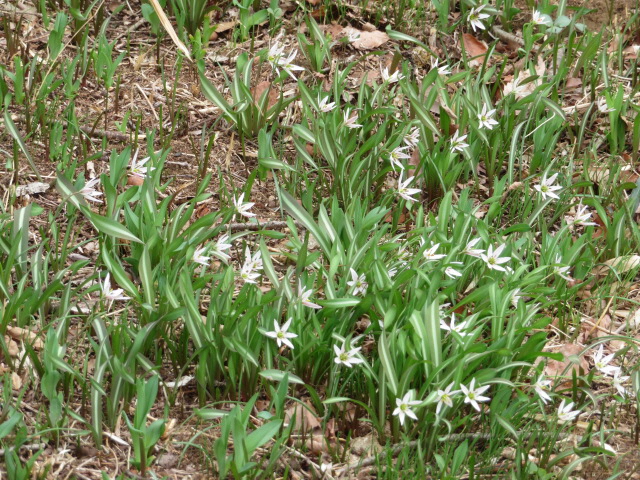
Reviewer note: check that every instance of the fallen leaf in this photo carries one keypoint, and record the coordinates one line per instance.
(258, 91)
(31, 188)
(12, 346)
(304, 416)
(618, 264)
(476, 49)
(366, 40)
(572, 362)
(573, 82)
(135, 180)
(23, 334)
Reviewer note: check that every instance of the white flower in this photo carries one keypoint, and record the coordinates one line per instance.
(442, 69)
(353, 36)
(324, 106)
(430, 254)
(452, 327)
(603, 107)
(444, 397)
(541, 18)
(138, 168)
(392, 272)
(396, 155)
(347, 358)
(199, 257)
(452, 272)
(547, 188)
(351, 122)
(359, 283)
(89, 192)
(472, 395)
(516, 297)
(281, 335)
(304, 296)
(252, 262)
(618, 382)
(326, 468)
(288, 66)
(476, 16)
(565, 414)
(403, 408)
(249, 273)
(276, 58)
(395, 77)
(473, 252)
(275, 52)
(493, 258)
(582, 217)
(458, 142)
(112, 295)
(561, 270)
(602, 363)
(485, 118)
(218, 250)
(243, 207)
(541, 387)
(404, 191)
(412, 138)
(249, 276)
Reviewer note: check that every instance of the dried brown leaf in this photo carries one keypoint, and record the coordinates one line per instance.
(306, 419)
(476, 49)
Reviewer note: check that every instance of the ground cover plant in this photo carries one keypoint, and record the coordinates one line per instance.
(319, 240)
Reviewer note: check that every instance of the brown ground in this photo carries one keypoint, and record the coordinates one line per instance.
(143, 95)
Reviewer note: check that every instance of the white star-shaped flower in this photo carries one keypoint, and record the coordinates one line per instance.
(452, 327)
(281, 334)
(452, 272)
(304, 295)
(220, 247)
(458, 142)
(541, 18)
(404, 191)
(347, 358)
(445, 397)
(395, 77)
(442, 69)
(396, 155)
(618, 383)
(541, 387)
(325, 106)
(89, 192)
(582, 217)
(112, 294)
(560, 269)
(471, 251)
(200, 257)
(546, 187)
(473, 395)
(485, 118)
(358, 283)
(403, 408)
(412, 138)
(565, 414)
(243, 207)
(602, 363)
(430, 254)
(138, 168)
(350, 122)
(493, 259)
(476, 16)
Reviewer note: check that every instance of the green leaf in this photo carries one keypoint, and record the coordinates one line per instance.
(11, 127)
(278, 376)
(299, 213)
(110, 227)
(262, 435)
